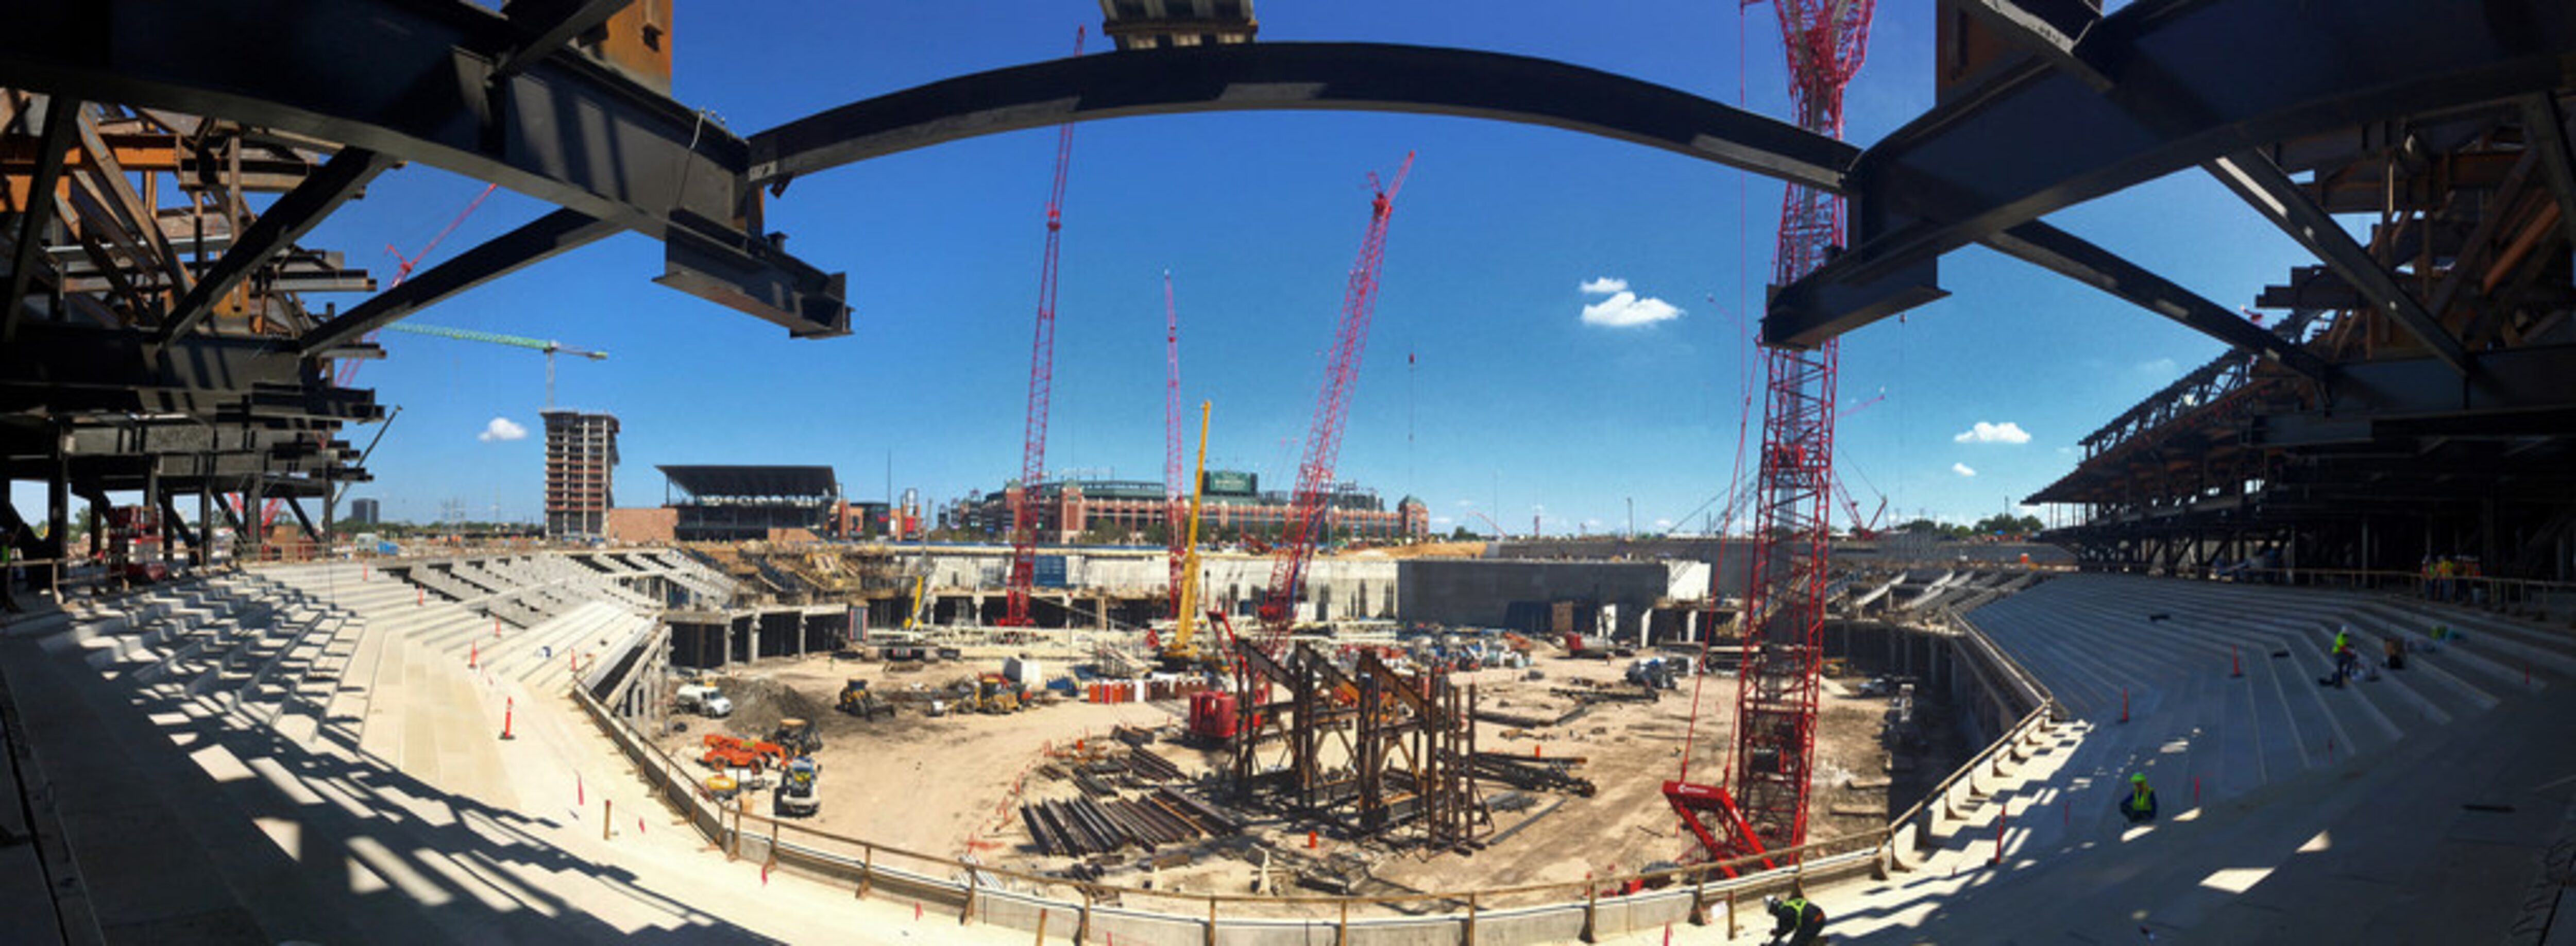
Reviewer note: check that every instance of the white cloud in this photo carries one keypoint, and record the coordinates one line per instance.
(2006, 432)
(1663, 523)
(2160, 366)
(1442, 520)
(1624, 309)
(1604, 286)
(502, 429)
(1962, 469)
(1466, 504)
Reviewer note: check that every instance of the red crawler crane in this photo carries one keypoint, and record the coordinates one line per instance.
(1175, 496)
(1764, 806)
(1308, 506)
(345, 372)
(1024, 515)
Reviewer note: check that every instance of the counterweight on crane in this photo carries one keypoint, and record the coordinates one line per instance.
(1024, 524)
(1309, 505)
(1764, 803)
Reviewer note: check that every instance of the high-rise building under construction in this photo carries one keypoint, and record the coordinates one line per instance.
(581, 450)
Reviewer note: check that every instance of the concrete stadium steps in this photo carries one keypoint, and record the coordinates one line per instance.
(255, 837)
(2277, 763)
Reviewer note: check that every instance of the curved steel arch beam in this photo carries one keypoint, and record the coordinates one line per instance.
(2165, 85)
(1284, 76)
(451, 85)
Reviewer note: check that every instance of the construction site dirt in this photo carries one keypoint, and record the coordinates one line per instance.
(966, 783)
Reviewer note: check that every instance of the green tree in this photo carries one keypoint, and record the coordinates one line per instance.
(1460, 534)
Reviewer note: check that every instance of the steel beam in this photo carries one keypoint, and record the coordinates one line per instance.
(285, 221)
(2271, 192)
(2063, 253)
(2192, 80)
(58, 358)
(38, 215)
(535, 242)
(1304, 76)
(550, 25)
(2546, 128)
(415, 80)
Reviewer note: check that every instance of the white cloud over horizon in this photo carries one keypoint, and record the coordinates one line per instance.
(1963, 469)
(500, 429)
(2006, 432)
(1625, 309)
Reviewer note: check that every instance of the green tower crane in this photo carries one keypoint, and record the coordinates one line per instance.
(515, 341)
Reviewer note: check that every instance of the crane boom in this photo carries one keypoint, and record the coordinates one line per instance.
(1188, 595)
(1024, 526)
(1765, 802)
(1308, 505)
(1172, 453)
(549, 347)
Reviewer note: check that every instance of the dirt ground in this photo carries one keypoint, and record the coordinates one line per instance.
(925, 784)
(951, 785)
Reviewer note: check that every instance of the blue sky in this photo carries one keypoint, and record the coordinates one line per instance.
(1513, 402)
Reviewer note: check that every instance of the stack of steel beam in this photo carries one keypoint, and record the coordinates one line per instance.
(1536, 772)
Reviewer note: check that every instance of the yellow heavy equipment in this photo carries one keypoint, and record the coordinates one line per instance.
(1182, 651)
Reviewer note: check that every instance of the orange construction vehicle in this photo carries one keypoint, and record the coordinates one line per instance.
(736, 752)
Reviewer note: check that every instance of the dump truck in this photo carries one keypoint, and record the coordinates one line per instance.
(857, 700)
(797, 736)
(797, 796)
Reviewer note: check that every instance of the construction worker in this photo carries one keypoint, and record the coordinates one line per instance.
(2346, 662)
(2140, 805)
(1797, 922)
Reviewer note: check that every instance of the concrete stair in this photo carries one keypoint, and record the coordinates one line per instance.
(2332, 809)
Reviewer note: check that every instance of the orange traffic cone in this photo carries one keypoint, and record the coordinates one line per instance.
(508, 709)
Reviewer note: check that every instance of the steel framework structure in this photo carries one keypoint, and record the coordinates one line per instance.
(1368, 749)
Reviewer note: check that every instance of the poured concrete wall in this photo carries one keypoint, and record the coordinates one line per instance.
(1480, 592)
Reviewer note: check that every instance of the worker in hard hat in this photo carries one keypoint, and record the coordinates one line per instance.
(1797, 922)
(2140, 805)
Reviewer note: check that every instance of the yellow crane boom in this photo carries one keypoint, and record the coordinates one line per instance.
(1182, 626)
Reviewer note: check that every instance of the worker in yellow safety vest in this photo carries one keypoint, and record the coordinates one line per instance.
(2140, 806)
(1797, 922)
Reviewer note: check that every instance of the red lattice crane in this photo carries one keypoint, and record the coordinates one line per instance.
(1175, 496)
(1763, 804)
(1308, 507)
(1024, 513)
(345, 371)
